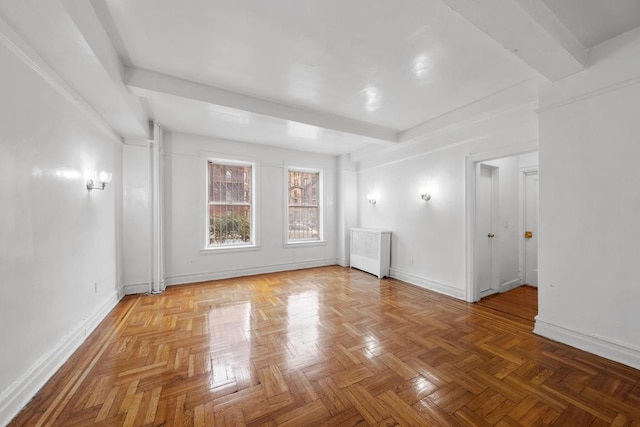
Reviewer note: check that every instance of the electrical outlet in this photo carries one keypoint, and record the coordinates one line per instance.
(192, 261)
(411, 261)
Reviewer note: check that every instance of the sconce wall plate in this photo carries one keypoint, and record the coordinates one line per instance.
(103, 179)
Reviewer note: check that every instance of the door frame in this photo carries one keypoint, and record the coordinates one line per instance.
(471, 290)
(523, 207)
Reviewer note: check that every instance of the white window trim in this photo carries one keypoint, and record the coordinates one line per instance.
(236, 161)
(321, 202)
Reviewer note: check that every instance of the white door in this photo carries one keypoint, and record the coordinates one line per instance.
(531, 228)
(486, 277)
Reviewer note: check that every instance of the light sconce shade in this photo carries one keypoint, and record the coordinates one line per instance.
(370, 199)
(425, 196)
(103, 179)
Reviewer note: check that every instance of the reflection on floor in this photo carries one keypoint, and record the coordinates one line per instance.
(327, 346)
(520, 302)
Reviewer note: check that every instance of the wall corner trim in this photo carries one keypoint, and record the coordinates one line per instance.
(18, 394)
(343, 262)
(593, 344)
(428, 284)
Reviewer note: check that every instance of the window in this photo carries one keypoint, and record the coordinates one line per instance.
(303, 215)
(230, 203)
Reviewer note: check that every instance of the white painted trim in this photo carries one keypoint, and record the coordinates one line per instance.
(427, 284)
(12, 40)
(619, 352)
(511, 284)
(25, 388)
(251, 271)
(136, 288)
(343, 262)
(591, 94)
(205, 158)
(304, 243)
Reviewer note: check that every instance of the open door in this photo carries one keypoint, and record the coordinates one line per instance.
(487, 280)
(531, 228)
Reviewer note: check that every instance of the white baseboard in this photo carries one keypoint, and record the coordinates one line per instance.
(427, 284)
(18, 394)
(511, 284)
(136, 288)
(249, 271)
(618, 352)
(343, 262)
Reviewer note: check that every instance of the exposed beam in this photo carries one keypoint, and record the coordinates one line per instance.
(149, 84)
(530, 31)
(87, 22)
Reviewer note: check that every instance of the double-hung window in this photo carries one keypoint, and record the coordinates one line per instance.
(230, 203)
(304, 195)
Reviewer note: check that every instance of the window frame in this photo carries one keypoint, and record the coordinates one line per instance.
(320, 197)
(253, 240)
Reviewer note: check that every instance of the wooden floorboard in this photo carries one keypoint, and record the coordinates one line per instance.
(520, 302)
(329, 346)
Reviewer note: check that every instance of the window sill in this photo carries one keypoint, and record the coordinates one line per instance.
(229, 249)
(295, 244)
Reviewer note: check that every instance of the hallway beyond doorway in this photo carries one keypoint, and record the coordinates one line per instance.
(521, 302)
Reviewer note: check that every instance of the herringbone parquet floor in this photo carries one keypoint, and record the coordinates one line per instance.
(326, 346)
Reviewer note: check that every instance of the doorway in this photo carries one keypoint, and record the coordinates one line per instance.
(502, 200)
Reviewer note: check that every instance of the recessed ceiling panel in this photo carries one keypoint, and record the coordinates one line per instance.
(392, 63)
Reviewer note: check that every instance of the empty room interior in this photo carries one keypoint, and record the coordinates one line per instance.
(319, 213)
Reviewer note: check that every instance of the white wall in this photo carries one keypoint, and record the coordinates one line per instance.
(428, 241)
(135, 218)
(58, 248)
(185, 169)
(589, 202)
(347, 184)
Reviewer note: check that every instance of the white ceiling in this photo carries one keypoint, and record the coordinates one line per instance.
(596, 21)
(383, 62)
(324, 76)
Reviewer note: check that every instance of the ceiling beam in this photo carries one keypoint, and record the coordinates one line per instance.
(529, 30)
(88, 24)
(149, 84)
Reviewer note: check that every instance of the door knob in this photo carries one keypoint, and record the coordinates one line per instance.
(528, 234)
(490, 235)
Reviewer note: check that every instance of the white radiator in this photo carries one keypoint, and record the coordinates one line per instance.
(371, 251)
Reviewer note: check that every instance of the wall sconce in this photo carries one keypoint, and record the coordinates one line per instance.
(370, 199)
(103, 179)
(425, 196)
